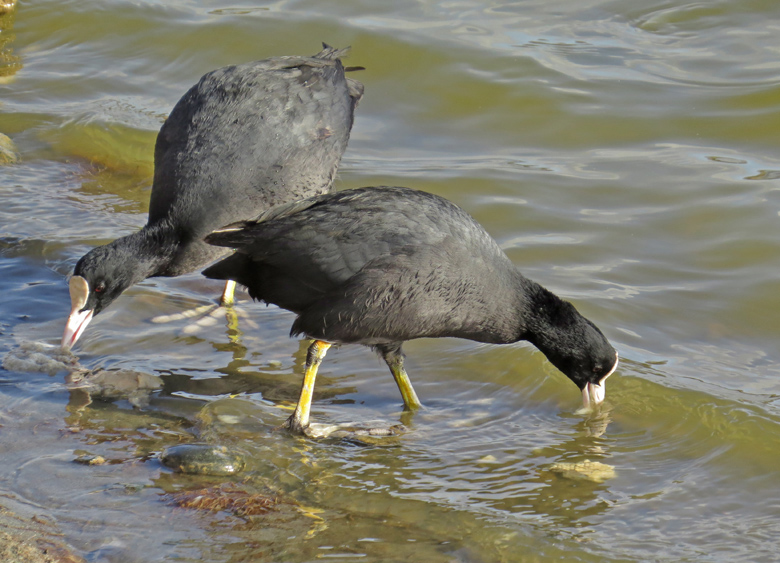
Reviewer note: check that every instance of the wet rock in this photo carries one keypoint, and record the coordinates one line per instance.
(88, 459)
(8, 154)
(584, 470)
(106, 384)
(369, 435)
(115, 550)
(203, 459)
(32, 540)
(7, 6)
(229, 497)
(39, 357)
(135, 386)
(10, 64)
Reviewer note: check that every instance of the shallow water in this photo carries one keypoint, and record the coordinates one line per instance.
(623, 153)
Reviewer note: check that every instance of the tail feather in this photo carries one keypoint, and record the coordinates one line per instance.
(234, 267)
(330, 53)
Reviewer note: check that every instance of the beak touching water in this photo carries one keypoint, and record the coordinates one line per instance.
(78, 319)
(593, 393)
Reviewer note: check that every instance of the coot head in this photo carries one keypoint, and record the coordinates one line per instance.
(590, 373)
(100, 276)
(572, 343)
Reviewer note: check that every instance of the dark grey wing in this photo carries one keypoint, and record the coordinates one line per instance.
(418, 290)
(240, 233)
(324, 241)
(391, 296)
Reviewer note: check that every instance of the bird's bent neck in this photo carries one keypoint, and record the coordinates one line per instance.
(542, 307)
(553, 324)
(153, 248)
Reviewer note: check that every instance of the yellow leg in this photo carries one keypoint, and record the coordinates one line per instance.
(411, 402)
(300, 418)
(395, 361)
(233, 331)
(229, 295)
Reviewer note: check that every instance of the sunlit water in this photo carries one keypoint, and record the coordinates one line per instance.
(624, 154)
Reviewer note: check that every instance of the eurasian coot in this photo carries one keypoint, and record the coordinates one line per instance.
(379, 266)
(243, 139)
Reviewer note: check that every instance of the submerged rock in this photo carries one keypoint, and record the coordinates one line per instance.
(370, 435)
(229, 497)
(203, 459)
(32, 540)
(7, 6)
(39, 357)
(8, 154)
(135, 386)
(584, 470)
(89, 459)
(106, 384)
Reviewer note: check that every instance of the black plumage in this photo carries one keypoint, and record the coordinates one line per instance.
(379, 266)
(243, 139)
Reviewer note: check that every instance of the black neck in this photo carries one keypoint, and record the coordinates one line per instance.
(553, 324)
(153, 248)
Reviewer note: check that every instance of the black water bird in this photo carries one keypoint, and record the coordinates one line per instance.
(379, 266)
(243, 139)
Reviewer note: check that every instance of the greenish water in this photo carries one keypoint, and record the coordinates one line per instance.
(624, 154)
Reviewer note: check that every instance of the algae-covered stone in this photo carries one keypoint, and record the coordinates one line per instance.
(369, 435)
(203, 459)
(39, 357)
(8, 154)
(89, 459)
(7, 6)
(228, 497)
(584, 470)
(135, 386)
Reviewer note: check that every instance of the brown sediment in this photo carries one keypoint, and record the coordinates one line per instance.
(228, 497)
(32, 540)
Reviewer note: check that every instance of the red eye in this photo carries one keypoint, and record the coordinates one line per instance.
(100, 287)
